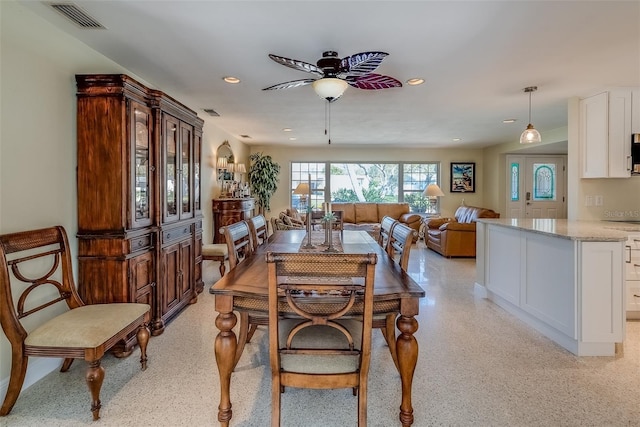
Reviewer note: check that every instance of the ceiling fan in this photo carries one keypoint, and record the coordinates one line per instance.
(335, 74)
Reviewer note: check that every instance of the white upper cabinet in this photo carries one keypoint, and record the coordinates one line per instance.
(605, 134)
(635, 110)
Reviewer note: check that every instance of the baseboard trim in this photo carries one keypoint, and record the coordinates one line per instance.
(38, 368)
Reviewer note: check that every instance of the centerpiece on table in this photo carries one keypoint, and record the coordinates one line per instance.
(328, 219)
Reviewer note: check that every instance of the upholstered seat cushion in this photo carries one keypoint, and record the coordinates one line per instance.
(215, 249)
(87, 326)
(321, 337)
(394, 210)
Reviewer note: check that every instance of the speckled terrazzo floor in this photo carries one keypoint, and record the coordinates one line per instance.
(478, 366)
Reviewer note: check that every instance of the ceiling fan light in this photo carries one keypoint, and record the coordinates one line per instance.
(329, 88)
(530, 135)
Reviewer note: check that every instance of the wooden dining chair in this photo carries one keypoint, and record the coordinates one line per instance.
(37, 265)
(216, 252)
(259, 232)
(318, 348)
(386, 226)
(240, 246)
(239, 243)
(400, 242)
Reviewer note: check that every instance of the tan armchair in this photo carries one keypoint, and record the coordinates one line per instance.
(456, 237)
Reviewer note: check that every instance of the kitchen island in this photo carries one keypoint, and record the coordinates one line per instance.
(564, 278)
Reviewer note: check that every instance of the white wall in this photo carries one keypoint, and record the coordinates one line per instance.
(38, 139)
(37, 135)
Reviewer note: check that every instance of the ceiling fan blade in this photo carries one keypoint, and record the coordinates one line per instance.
(373, 82)
(297, 65)
(361, 64)
(291, 84)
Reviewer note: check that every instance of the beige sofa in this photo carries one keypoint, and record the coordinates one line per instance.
(368, 216)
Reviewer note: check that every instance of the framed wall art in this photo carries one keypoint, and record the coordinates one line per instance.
(463, 177)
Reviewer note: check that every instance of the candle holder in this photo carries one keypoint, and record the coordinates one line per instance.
(308, 245)
(328, 231)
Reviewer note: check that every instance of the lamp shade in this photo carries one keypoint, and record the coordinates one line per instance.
(302, 188)
(241, 168)
(530, 135)
(433, 190)
(222, 163)
(330, 88)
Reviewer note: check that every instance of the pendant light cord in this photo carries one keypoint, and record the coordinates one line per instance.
(530, 107)
(327, 120)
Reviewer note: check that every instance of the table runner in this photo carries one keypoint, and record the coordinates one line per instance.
(317, 240)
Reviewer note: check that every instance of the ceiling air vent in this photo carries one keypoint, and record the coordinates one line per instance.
(211, 112)
(77, 15)
(245, 136)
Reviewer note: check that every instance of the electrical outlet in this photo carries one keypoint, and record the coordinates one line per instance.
(599, 200)
(588, 201)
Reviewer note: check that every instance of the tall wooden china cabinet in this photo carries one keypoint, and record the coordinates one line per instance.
(139, 211)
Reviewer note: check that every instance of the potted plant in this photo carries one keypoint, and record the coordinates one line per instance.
(263, 179)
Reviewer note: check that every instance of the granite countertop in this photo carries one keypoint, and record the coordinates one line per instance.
(597, 231)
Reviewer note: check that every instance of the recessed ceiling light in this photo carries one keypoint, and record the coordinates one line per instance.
(293, 138)
(287, 129)
(509, 120)
(457, 139)
(415, 81)
(231, 79)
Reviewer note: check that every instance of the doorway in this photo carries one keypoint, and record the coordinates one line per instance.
(536, 186)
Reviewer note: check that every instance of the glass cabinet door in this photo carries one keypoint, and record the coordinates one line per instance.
(197, 147)
(171, 166)
(186, 133)
(141, 162)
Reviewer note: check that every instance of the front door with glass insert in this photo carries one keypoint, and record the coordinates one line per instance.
(536, 187)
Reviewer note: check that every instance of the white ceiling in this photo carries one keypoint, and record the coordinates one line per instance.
(476, 57)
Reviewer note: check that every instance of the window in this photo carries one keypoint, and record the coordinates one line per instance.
(300, 173)
(365, 182)
(543, 181)
(416, 177)
(515, 182)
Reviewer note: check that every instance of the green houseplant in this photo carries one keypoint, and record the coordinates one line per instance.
(263, 179)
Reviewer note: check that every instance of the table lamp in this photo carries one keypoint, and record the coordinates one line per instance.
(433, 192)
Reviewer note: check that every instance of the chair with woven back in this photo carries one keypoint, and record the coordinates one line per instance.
(240, 246)
(309, 348)
(239, 242)
(37, 265)
(216, 252)
(259, 232)
(400, 242)
(386, 227)
(398, 246)
(259, 236)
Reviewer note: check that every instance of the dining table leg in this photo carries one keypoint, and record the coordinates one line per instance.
(225, 351)
(407, 353)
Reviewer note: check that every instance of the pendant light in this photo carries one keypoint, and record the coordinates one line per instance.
(530, 134)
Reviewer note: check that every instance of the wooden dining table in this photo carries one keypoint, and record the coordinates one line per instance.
(245, 288)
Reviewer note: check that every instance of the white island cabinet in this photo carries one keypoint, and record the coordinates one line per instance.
(564, 278)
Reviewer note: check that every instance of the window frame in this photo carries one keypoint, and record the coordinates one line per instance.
(401, 192)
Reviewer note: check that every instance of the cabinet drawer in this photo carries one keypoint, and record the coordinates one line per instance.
(633, 295)
(140, 243)
(176, 233)
(632, 265)
(633, 241)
